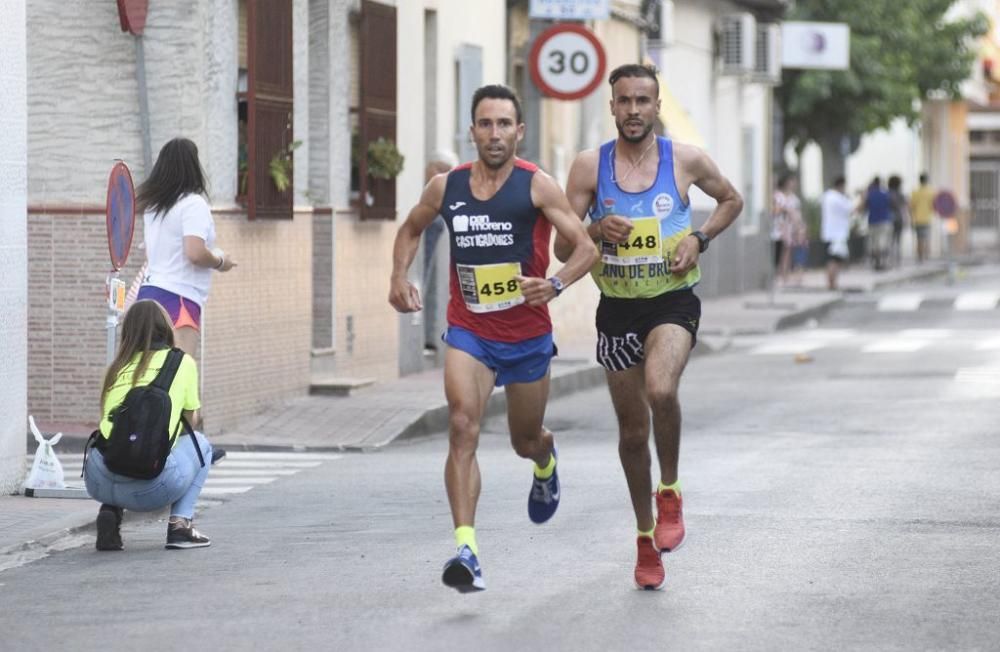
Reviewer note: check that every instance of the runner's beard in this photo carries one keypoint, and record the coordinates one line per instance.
(499, 163)
(633, 139)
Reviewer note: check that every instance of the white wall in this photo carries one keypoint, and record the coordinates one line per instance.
(81, 58)
(13, 244)
(885, 152)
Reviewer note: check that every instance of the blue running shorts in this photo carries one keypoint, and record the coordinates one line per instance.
(512, 362)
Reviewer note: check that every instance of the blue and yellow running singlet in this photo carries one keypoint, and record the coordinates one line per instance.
(640, 267)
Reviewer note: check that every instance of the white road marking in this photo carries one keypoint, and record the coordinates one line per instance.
(927, 333)
(220, 491)
(977, 301)
(900, 302)
(789, 346)
(210, 480)
(295, 457)
(896, 345)
(991, 344)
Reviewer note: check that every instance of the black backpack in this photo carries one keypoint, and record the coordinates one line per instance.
(139, 442)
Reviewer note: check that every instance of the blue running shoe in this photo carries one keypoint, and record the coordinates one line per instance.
(544, 497)
(462, 572)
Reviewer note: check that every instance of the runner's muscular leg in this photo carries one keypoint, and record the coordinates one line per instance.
(667, 349)
(525, 413)
(629, 398)
(467, 386)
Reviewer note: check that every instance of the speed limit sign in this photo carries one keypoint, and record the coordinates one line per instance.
(567, 62)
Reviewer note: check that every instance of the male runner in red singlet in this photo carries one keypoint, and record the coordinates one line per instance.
(500, 211)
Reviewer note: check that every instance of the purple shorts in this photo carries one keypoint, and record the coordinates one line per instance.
(183, 312)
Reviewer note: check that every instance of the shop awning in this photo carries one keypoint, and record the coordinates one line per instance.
(676, 120)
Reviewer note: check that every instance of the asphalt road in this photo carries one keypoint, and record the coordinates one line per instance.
(841, 492)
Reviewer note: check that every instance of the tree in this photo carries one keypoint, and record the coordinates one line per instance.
(900, 52)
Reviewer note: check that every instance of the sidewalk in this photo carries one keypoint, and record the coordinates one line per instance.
(414, 406)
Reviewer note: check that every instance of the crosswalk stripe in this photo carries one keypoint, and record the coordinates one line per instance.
(900, 302)
(220, 491)
(977, 301)
(991, 344)
(226, 472)
(210, 480)
(294, 457)
(240, 464)
(927, 333)
(895, 345)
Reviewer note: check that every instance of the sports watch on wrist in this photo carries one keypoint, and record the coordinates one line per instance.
(557, 284)
(702, 241)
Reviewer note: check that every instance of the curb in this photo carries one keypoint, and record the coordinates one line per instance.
(796, 318)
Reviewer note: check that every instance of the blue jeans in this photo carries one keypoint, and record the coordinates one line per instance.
(178, 485)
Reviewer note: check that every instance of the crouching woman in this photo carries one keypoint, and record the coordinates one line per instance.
(163, 464)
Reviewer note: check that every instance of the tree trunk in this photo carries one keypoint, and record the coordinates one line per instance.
(834, 159)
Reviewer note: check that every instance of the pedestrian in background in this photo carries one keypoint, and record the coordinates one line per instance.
(835, 229)
(878, 204)
(147, 339)
(788, 224)
(441, 162)
(921, 211)
(179, 238)
(898, 208)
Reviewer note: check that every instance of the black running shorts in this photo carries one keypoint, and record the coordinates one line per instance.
(624, 324)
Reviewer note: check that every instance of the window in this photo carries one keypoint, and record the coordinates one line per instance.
(376, 114)
(265, 109)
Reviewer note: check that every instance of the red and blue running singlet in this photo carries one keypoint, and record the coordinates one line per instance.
(492, 241)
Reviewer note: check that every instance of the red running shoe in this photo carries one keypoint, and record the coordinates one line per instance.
(669, 533)
(649, 573)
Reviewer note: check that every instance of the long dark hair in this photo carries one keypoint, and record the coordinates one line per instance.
(146, 328)
(177, 173)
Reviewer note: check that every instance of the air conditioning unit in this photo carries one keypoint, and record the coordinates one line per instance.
(767, 63)
(737, 43)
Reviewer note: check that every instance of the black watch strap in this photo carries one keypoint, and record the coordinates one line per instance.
(702, 240)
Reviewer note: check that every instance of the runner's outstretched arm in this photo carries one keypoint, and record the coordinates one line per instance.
(580, 193)
(403, 296)
(550, 199)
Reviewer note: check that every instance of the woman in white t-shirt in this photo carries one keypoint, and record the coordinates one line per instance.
(180, 239)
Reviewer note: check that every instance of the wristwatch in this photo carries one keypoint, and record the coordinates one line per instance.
(557, 284)
(702, 240)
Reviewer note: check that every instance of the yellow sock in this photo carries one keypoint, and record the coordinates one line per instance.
(465, 535)
(676, 486)
(550, 468)
(646, 534)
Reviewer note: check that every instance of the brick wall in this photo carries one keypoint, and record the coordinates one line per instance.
(68, 263)
(367, 328)
(257, 321)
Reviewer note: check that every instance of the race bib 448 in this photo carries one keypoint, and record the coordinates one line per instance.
(642, 247)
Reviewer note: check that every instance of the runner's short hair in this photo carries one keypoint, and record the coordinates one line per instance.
(648, 71)
(495, 92)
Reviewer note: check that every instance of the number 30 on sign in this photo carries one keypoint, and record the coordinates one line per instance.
(567, 62)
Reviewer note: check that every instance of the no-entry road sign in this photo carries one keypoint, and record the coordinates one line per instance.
(567, 62)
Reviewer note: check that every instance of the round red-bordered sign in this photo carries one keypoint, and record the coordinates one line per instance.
(567, 62)
(120, 210)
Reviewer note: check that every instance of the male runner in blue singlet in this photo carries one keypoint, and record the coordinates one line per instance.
(635, 189)
(500, 211)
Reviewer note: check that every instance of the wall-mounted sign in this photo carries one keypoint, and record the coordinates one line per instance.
(569, 9)
(567, 62)
(120, 214)
(132, 15)
(810, 45)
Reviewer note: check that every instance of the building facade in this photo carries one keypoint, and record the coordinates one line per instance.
(13, 243)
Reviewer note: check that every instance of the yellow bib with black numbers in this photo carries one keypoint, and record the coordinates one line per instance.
(490, 288)
(643, 245)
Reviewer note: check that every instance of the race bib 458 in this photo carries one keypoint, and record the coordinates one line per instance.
(489, 288)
